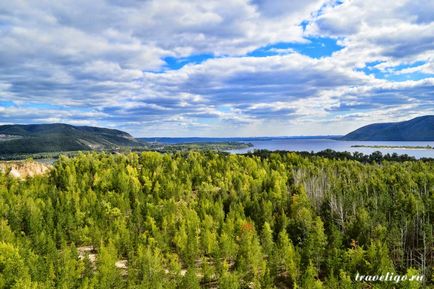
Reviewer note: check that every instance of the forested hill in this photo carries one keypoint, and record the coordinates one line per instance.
(208, 220)
(37, 138)
(417, 129)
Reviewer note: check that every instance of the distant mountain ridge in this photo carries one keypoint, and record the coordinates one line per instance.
(417, 129)
(37, 138)
(177, 140)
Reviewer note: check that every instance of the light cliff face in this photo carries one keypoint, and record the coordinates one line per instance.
(24, 169)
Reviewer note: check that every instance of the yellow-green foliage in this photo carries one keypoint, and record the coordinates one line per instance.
(191, 220)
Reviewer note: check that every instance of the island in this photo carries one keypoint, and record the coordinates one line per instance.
(427, 147)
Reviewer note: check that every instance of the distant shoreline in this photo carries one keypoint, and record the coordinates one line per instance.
(427, 147)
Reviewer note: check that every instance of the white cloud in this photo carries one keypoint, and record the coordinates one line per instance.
(100, 62)
(378, 30)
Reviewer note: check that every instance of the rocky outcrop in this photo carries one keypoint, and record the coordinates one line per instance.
(24, 169)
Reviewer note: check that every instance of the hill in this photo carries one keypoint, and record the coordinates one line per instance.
(37, 138)
(417, 129)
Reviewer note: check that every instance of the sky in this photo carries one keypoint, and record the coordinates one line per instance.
(216, 68)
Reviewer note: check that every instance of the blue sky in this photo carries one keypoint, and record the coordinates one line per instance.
(216, 68)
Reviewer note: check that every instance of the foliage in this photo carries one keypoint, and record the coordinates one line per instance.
(208, 220)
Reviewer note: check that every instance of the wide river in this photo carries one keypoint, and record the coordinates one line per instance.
(317, 145)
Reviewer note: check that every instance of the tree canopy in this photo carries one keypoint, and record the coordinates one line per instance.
(211, 220)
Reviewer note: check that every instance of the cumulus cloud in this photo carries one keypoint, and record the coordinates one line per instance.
(373, 30)
(103, 63)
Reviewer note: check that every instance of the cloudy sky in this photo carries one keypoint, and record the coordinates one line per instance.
(216, 68)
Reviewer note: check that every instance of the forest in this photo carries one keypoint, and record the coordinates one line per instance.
(214, 220)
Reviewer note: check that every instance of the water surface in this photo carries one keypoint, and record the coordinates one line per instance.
(320, 144)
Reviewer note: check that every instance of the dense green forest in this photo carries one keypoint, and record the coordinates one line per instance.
(159, 147)
(211, 220)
